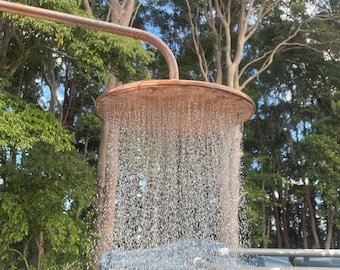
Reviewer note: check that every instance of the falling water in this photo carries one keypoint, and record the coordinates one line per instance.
(178, 162)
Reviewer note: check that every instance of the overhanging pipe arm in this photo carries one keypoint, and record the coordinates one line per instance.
(59, 17)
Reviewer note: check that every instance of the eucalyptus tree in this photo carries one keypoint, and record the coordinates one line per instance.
(300, 88)
(271, 147)
(234, 43)
(322, 135)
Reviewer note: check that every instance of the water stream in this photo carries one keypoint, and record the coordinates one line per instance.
(177, 168)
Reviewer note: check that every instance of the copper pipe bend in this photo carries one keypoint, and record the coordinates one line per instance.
(74, 20)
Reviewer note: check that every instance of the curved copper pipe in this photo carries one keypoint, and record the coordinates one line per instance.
(69, 19)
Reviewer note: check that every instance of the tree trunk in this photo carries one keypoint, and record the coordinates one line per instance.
(267, 235)
(278, 226)
(41, 250)
(312, 216)
(285, 229)
(330, 226)
(70, 103)
(87, 6)
(219, 65)
(8, 36)
(285, 218)
(304, 225)
(264, 222)
(51, 81)
(8, 33)
(121, 11)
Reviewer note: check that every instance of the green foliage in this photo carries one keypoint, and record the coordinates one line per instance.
(96, 51)
(44, 190)
(298, 8)
(23, 124)
(293, 136)
(322, 157)
(46, 196)
(89, 58)
(42, 29)
(87, 137)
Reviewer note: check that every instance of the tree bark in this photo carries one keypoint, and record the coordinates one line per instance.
(41, 250)
(285, 218)
(51, 81)
(330, 226)
(310, 206)
(10, 36)
(121, 11)
(267, 235)
(277, 225)
(264, 222)
(304, 225)
(87, 6)
(70, 103)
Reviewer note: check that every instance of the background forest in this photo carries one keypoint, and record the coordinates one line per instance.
(284, 54)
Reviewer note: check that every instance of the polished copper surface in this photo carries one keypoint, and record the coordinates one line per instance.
(171, 101)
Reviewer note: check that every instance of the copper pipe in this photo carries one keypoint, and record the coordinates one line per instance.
(74, 20)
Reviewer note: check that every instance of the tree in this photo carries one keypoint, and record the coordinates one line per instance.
(76, 62)
(298, 91)
(234, 42)
(76, 59)
(322, 170)
(24, 124)
(230, 42)
(42, 206)
(44, 189)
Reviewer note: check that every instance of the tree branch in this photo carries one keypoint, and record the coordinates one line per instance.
(22, 256)
(198, 48)
(226, 21)
(135, 14)
(270, 56)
